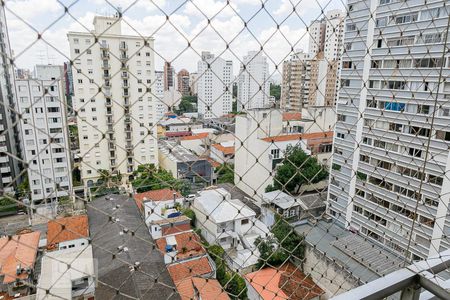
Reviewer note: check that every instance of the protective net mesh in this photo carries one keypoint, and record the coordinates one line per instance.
(211, 149)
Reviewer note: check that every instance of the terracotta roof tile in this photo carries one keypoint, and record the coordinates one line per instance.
(209, 289)
(292, 116)
(66, 229)
(298, 136)
(19, 250)
(155, 195)
(198, 136)
(187, 240)
(284, 283)
(195, 267)
(225, 150)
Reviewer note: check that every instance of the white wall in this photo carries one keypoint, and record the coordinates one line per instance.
(154, 209)
(73, 244)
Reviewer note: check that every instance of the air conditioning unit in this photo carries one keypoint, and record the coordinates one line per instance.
(327, 218)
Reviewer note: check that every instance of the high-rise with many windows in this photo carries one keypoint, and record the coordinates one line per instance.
(113, 77)
(391, 162)
(43, 107)
(214, 86)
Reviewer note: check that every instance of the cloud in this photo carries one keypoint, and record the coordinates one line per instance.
(29, 9)
(210, 8)
(125, 4)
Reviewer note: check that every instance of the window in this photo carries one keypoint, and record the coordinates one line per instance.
(275, 153)
(381, 22)
(346, 64)
(340, 135)
(400, 41)
(443, 135)
(351, 27)
(244, 221)
(432, 13)
(345, 82)
(429, 38)
(76, 41)
(77, 51)
(405, 18)
(341, 117)
(423, 109)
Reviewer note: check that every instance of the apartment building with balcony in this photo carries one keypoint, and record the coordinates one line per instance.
(391, 155)
(44, 130)
(113, 76)
(214, 87)
(10, 143)
(253, 82)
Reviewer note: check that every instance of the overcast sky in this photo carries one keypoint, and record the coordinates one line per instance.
(187, 21)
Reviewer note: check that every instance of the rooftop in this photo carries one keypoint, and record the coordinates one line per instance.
(299, 136)
(185, 269)
(120, 243)
(237, 193)
(208, 289)
(218, 205)
(198, 136)
(285, 201)
(18, 250)
(156, 195)
(188, 244)
(286, 282)
(176, 152)
(225, 147)
(179, 219)
(292, 116)
(61, 268)
(67, 229)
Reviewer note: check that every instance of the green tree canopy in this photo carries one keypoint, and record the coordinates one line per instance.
(297, 168)
(275, 90)
(147, 177)
(225, 173)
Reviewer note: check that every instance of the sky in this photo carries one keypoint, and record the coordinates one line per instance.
(38, 28)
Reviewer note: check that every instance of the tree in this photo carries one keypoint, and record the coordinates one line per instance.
(7, 204)
(225, 173)
(185, 106)
(275, 90)
(297, 169)
(108, 178)
(270, 253)
(147, 177)
(190, 214)
(23, 189)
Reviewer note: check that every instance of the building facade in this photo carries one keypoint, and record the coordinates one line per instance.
(295, 82)
(115, 105)
(253, 82)
(10, 143)
(390, 162)
(183, 82)
(193, 78)
(169, 76)
(44, 131)
(214, 86)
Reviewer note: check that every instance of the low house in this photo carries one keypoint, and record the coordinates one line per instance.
(158, 204)
(68, 233)
(198, 288)
(184, 164)
(291, 208)
(231, 224)
(180, 246)
(163, 227)
(67, 274)
(283, 283)
(196, 143)
(17, 262)
(183, 272)
(223, 152)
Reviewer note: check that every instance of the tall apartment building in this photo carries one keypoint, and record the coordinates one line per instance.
(10, 143)
(311, 79)
(391, 161)
(115, 105)
(193, 78)
(42, 103)
(295, 82)
(253, 82)
(158, 92)
(214, 86)
(169, 76)
(183, 82)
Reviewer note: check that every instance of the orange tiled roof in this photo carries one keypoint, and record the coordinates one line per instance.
(207, 289)
(198, 136)
(187, 240)
(66, 229)
(213, 163)
(225, 150)
(19, 250)
(286, 283)
(155, 195)
(195, 267)
(292, 116)
(298, 136)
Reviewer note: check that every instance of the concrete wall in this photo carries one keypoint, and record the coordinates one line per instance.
(331, 277)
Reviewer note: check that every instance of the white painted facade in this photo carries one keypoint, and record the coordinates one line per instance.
(124, 110)
(214, 87)
(44, 132)
(253, 82)
(159, 210)
(158, 88)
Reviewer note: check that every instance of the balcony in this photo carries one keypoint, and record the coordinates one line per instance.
(129, 146)
(123, 58)
(106, 66)
(104, 55)
(126, 104)
(110, 129)
(128, 129)
(104, 46)
(111, 146)
(124, 75)
(106, 76)
(125, 94)
(5, 170)
(125, 84)
(130, 153)
(3, 149)
(7, 179)
(108, 103)
(127, 120)
(123, 46)
(107, 92)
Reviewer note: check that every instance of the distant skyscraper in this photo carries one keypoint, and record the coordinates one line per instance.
(116, 126)
(10, 143)
(214, 86)
(183, 82)
(295, 82)
(326, 35)
(158, 89)
(169, 76)
(390, 180)
(253, 84)
(44, 133)
(193, 83)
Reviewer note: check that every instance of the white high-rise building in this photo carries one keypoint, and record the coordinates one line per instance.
(10, 144)
(158, 91)
(214, 88)
(115, 106)
(390, 179)
(44, 133)
(325, 35)
(253, 82)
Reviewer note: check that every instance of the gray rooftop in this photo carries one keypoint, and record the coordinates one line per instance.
(237, 193)
(310, 201)
(151, 279)
(176, 152)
